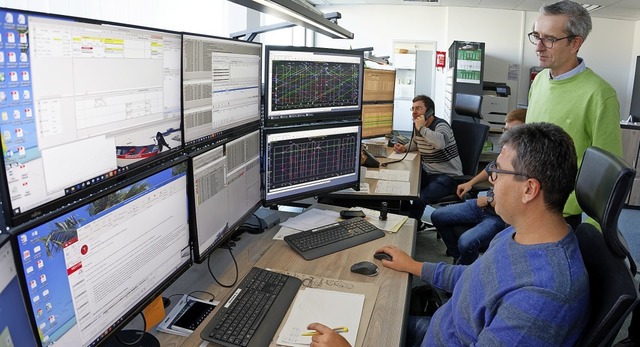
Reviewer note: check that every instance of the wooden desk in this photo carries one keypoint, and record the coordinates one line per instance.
(372, 199)
(386, 327)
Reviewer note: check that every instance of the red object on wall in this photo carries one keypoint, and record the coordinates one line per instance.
(441, 58)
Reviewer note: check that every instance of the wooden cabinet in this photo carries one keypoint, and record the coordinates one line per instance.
(631, 153)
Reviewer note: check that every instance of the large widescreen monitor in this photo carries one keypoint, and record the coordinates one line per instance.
(90, 269)
(226, 190)
(302, 162)
(221, 87)
(304, 84)
(80, 103)
(15, 326)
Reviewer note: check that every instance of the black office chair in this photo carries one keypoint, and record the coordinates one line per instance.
(602, 185)
(470, 138)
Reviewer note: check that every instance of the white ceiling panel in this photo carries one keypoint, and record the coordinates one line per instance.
(614, 9)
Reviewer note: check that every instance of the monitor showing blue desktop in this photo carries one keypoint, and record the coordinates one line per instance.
(15, 326)
(304, 161)
(81, 101)
(91, 268)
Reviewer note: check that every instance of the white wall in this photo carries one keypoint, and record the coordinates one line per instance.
(610, 49)
(212, 17)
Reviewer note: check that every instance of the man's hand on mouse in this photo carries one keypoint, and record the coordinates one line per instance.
(401, 261)
(326, 337)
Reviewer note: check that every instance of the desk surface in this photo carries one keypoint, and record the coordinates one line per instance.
(414, 168)
(389, 314)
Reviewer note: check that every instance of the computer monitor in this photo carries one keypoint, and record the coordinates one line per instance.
(16, 329)
(302, 162)
(305, 84)
(221, 87)
(80, 102)
(377, 120)
(226, 190)
(91, 268)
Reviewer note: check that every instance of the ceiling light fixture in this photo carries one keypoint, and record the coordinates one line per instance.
(296, 13)
(591, 8)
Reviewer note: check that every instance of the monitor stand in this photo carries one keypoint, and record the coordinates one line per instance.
(129, 336)
(295, 207)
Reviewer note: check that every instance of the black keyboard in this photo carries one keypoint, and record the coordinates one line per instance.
(252, 315)
(318, 242)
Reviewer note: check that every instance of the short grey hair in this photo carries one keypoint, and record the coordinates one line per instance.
(579, 23)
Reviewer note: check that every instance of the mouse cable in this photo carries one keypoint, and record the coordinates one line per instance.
(405, 153)
(143, 332)
(202, 291)
(237, 271)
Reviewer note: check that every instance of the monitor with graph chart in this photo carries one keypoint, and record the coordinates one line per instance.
(303, 162)
(304, 84)
(81, 101)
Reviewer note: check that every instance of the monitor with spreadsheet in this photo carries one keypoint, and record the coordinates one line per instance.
(225, 180)
(302, 162)
(81, 101)
(221, 87)
(305, 84)
(15, 326)
(94, 266)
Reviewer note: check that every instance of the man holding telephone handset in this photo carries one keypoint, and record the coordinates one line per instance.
(433, 138)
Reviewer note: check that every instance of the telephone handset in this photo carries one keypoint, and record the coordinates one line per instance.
(367, 159)
(428, 114)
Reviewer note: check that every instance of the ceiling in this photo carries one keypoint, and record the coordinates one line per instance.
(613, 9)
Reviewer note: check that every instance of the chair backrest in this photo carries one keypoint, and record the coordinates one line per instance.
(470, 138)
(468, 105)
(602, 184)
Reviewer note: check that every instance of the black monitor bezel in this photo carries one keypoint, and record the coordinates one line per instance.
(355, 183)
(8, 238)
(315, 116)
(132, 177)
(13, 218)
(200, 256)
(223, 135)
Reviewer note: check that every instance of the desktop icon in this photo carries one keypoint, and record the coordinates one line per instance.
(22, 19)
(12, 57)
(5, 116)
(16, 114)
(11, 37)
(36, 299)
(8, 18)
(13, 76)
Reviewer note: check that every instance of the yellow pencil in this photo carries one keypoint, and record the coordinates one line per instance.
(338, 330)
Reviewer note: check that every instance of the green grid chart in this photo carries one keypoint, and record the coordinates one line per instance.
(469, 66)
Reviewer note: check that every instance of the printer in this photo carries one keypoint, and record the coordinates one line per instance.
(495, 102)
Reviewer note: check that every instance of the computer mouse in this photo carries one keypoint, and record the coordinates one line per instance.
(382, 255)
(365, 268)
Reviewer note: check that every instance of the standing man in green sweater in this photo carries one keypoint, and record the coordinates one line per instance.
(568, 93)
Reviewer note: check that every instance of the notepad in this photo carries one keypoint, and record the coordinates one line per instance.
(328, 307)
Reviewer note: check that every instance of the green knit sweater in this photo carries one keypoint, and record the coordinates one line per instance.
(585, 106)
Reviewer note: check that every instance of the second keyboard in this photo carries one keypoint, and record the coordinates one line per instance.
(328, 239)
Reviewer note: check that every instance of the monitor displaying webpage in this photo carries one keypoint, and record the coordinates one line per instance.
(90, 268)
(15, 328)
(81, 102)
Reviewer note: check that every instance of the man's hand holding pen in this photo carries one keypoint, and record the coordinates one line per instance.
(399, 148)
